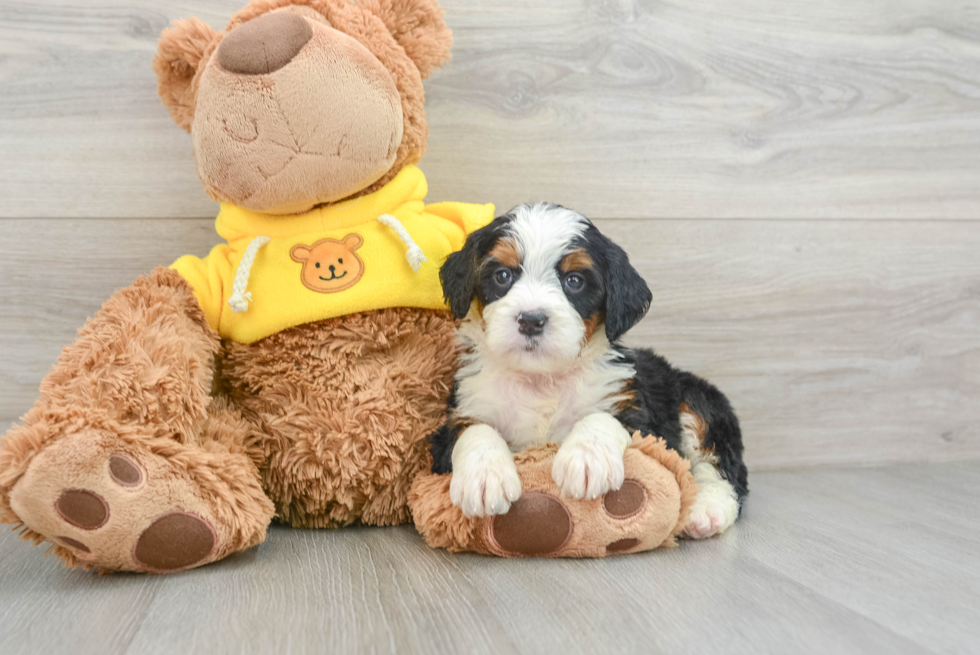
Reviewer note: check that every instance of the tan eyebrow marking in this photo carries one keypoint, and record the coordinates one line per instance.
(506, 253)
(576, 260)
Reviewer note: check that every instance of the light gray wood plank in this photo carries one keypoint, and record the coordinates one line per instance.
(44, 607)
(346, 591)
(701, 598)
(911, 562)
(837, 342)
(823, 561)
(621, 108)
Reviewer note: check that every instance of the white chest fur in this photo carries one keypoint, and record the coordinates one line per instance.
(532, 409)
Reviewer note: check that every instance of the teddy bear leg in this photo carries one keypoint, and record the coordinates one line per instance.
(117, 500)
(648, 511)
(125, 462)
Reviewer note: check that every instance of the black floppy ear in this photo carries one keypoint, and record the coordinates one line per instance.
(460, 275)
(628, 297)
(459, 279)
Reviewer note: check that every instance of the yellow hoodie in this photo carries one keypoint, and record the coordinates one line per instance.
(277, 272)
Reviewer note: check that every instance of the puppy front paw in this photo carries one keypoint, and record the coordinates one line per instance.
(587, 470)
(590, 461)
(485, 480)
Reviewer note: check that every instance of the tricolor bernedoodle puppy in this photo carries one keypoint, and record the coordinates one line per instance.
(546, 299)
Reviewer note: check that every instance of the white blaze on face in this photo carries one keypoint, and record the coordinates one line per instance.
(543, 235)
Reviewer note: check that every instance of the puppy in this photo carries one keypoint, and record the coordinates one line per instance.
(545, 299)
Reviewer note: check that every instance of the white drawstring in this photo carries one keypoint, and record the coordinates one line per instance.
(240, 297)
(415, 256)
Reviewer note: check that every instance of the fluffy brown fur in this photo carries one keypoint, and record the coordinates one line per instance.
(177, 64)
(343, 407)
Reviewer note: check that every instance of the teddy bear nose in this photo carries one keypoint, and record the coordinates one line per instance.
(264, 44)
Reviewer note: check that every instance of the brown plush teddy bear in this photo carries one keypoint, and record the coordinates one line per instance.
(297, 369)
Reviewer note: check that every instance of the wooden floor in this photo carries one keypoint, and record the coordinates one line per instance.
(878, 560)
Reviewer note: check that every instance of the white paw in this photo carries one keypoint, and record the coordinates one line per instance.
(590, 461)
(485, 480)
(716, 507)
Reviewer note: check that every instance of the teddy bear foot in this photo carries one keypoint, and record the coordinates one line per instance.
(115, 506)
(648, 511)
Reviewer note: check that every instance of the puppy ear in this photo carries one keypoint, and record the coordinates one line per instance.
(419, 28)
(628, 297)
(180, 51)
(460, 275)
(459, 279)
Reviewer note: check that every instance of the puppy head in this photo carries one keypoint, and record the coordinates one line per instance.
(545, 283)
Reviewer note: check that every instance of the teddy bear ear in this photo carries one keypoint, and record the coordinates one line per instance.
(182, 47)
(419, 28)
(353, 241)
(300, 253)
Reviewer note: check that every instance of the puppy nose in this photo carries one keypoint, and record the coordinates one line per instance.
(531, 323)
(264, 44)
(332, 267)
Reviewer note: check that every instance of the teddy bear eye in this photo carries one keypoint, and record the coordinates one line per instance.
(340, 261)
(318, 264)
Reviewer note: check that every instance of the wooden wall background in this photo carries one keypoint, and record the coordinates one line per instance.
(799, 182)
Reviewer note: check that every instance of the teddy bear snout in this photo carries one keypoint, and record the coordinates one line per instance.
(265, 44)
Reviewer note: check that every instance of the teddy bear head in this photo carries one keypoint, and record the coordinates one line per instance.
(300, 103)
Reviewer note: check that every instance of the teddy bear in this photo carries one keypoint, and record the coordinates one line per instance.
(295, 371)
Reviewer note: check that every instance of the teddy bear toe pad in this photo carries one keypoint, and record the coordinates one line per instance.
(175, 541)
(118, 510)
(537, 524)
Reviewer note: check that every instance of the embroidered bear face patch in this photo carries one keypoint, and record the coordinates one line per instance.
(330, 265)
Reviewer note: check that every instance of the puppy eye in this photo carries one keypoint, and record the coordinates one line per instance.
(318, 264)
(341, 261)
(574, 282)
(503, 277)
